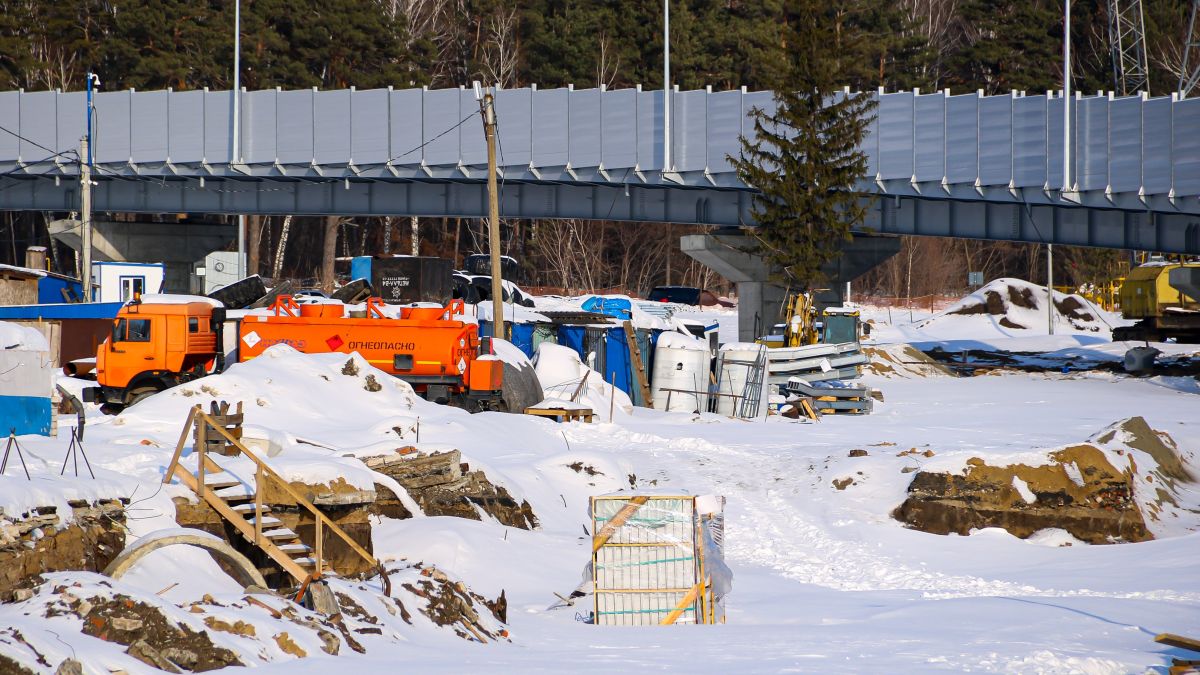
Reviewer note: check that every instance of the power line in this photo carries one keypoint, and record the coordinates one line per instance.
(10, 131)
(460, 123)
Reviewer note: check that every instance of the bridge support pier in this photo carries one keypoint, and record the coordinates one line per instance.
(760, 299)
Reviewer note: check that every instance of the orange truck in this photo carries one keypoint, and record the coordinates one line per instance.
(154, 346)
(426, 346)
(159, 344)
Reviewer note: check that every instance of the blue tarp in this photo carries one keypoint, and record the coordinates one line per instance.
(522, 335)
(619, 308)
(613, 360)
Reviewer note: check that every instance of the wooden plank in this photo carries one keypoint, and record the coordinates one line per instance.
(635, 355)
(187, 426)
(1178, 641)
(618, 520)
(688, 599)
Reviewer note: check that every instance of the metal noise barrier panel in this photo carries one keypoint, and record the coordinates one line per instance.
(648, 561)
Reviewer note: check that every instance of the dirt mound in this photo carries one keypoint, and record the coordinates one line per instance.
(1021, 305)
(902, 361)
(1166, 484)
(1080, 491)
(443, 485)
(1118, 487)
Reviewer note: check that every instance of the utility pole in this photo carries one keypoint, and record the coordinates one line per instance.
(237, 119)
(489, 132)
(85, 217)
(1066, 182)
(1050, 286)
(667, 164)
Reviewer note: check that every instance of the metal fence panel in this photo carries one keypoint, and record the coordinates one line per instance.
(895, 138)
(10, 114)
(550, 128)
(618, 129)
(185, 112)
(995, 140)
(438, 127)
(1029, 141)
(471, 139)
(1125, 144)
(724, 129)
(1186, 154)
(217, 111)
(1156, 145)
(260, 115)
(294, 130)
(650, 130)
(369, 126)
(71, 109)
(39, 126)
(1091, 142)
(331, 114)
(112, 128)
(148, 126)
(929, 163)
(514, 126)
(962, 138)
(583, 134)
(1054, 143)
(689, 130)
(406, 121)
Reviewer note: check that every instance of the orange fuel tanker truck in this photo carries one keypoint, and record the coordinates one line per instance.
(425, 346)
(168, 340)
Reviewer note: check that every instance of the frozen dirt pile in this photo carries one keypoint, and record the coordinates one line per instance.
(1122, 486)
(1020, 305)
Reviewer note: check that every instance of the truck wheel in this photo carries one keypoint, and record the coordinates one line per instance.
(140, 393)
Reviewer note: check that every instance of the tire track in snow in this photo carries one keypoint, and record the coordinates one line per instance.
(767, 529)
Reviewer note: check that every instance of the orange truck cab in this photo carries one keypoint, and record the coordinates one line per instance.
(426, 346)
(155, 346)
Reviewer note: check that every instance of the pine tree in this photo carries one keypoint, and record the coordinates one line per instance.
(1009, 46)
(804, 157)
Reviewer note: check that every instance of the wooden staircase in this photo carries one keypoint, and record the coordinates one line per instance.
(241, 503)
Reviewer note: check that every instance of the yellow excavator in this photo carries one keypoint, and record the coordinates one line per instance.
(838, 324)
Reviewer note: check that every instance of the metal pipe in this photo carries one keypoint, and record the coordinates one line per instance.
(1066, 183)
(237, 118)
(667, 164)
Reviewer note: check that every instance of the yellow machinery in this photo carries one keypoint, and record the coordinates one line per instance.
(1163, 297)
(838, 324)
(800, 328)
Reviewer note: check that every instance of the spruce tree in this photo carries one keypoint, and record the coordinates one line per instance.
(804, 157)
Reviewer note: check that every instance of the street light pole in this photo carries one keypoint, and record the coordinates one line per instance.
(666, 86)
(1066, 167)
(237, 119)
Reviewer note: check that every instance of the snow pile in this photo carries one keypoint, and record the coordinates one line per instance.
(315, 403)
(1165, 475)
(21, 338)
(116, 626)
(560, 371)
(1016, 305)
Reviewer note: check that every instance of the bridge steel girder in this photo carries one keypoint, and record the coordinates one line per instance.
(1044, 222)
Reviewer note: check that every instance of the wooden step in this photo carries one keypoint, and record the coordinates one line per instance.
(249, 508)
(266, 521)
(280, 533)
(295, 549)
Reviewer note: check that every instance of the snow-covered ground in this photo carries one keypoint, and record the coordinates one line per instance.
(824, 579)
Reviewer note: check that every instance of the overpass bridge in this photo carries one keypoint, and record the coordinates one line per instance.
(986, 167)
